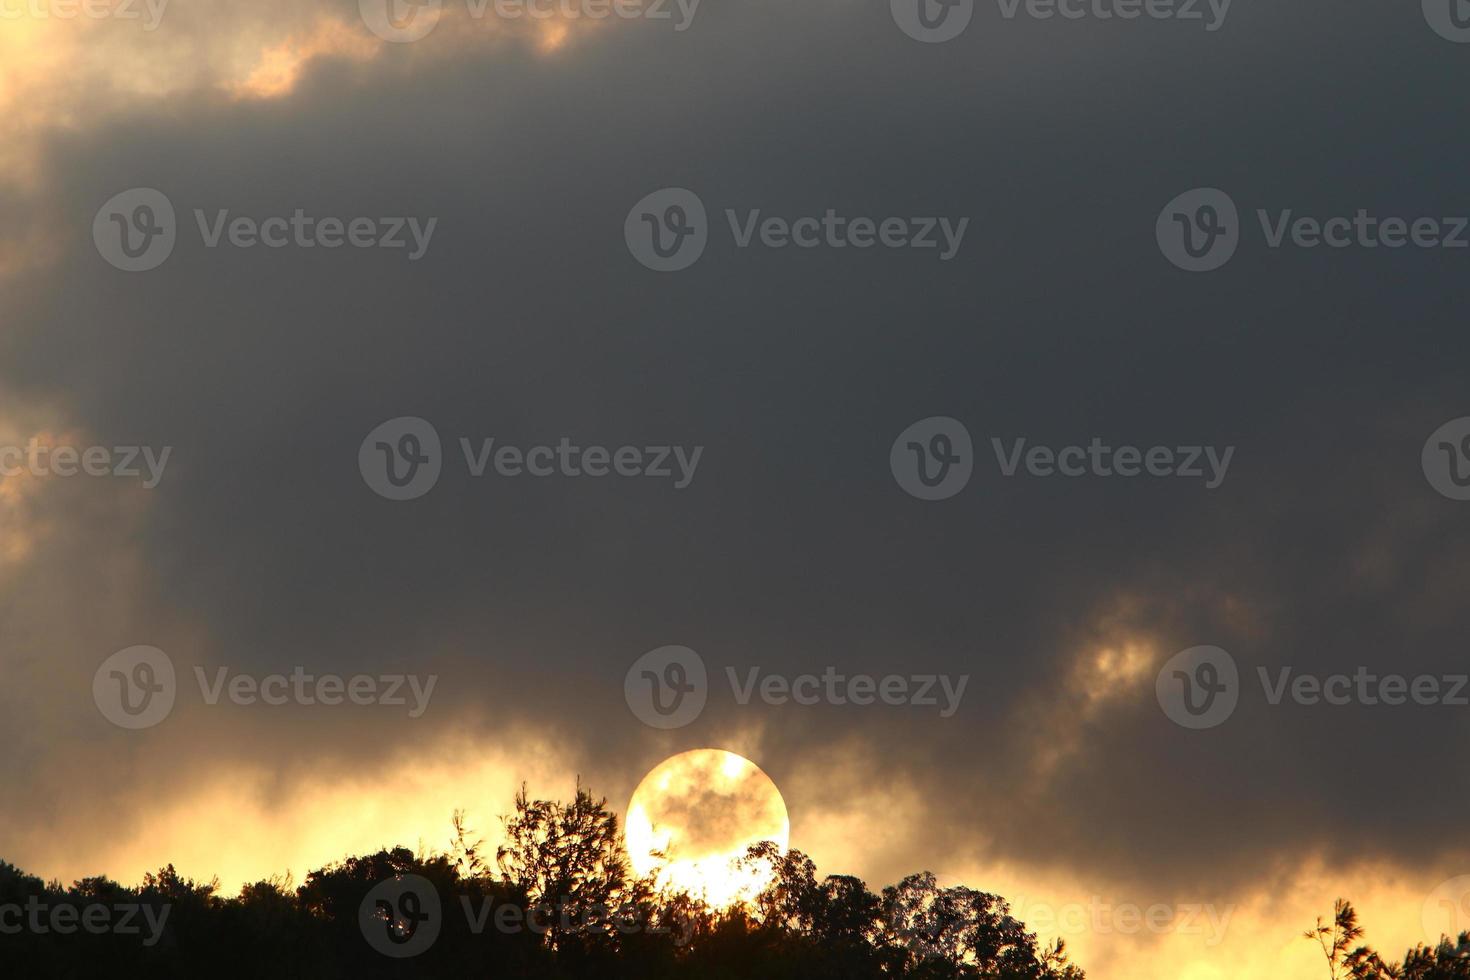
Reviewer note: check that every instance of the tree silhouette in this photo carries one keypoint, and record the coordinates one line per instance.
(568, 860)
(1447, 960)
(595, 919)
(1337, 937)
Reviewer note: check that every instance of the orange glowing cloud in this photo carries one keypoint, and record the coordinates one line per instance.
(65, 74)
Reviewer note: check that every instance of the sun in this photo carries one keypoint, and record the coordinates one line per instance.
(695, 814)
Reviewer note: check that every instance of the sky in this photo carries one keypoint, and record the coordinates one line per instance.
(529, 153)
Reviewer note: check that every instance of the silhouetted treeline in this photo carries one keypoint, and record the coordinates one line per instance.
(560, 904)
(1347, 959)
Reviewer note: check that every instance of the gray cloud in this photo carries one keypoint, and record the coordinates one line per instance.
(528, 321)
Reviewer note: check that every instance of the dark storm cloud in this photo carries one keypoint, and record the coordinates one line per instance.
(527, 320)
